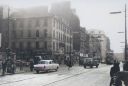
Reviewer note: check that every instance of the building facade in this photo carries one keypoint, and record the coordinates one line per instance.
(103, 41)
(94, 45)
(40, 34)
(81, 42)
(4, 27)
(64, 11)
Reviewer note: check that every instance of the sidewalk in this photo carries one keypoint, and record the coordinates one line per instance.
(18, 71)
(63, 69)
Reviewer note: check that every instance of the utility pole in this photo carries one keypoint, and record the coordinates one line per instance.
(125, 50)
(126, 33)
(70, 47)
(8, 27)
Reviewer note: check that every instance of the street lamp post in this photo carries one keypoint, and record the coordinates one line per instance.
(8, 26)
(125, 33)
(70, 48)
(125, 30)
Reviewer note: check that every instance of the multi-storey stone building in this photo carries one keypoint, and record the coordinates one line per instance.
(40, 34)
(81, 42)
(103, 41)
(4, 27)
(64, 10)
(94, 46)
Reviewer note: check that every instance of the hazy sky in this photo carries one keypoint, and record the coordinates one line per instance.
(93, 14)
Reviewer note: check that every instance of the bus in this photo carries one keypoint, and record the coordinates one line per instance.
(109, 58)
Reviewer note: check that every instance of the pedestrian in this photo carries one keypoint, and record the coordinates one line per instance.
(123, 76)
(31, 65)
(113, 74)
(69, 63)
(121, 66)
(21, 65)
(4, 65)
(80, 62)
(125, 73)
(125, 66)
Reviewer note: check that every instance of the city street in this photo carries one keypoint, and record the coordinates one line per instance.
(45, 35)
(76, 76)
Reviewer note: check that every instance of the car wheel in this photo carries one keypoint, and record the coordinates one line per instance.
(91, 66)
(84, 66)
(37, 71)
(96, 66)
(56, 69)
(47, 71)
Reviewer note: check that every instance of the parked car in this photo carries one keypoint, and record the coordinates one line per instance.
(91, 62)
(46, 65)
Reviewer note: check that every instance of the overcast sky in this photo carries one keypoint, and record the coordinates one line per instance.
(93, 14)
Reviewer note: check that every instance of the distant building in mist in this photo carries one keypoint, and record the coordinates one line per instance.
(104, 43)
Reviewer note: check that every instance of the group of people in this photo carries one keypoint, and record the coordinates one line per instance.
(117, 76)
(8, 66)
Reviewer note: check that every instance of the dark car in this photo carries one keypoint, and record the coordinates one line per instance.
(91, 62)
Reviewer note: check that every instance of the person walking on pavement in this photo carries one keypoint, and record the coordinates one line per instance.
(124, 74)
(113, 72)
(31, 65)
(21, 65)
(125, 66)
(69, 63)
(4, 64)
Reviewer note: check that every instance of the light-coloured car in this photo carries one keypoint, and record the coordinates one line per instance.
(46, 65)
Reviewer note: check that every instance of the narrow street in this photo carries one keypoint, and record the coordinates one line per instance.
(76, 76)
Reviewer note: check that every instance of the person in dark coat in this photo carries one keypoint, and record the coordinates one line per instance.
(123, 76)
(4, 65)
(31, 65)
(125, 66)
(69, 63)
(113, 72)
(21, 65)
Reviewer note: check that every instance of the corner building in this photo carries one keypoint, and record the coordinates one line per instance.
(48, 35)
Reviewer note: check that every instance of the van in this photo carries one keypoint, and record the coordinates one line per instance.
(91, 62)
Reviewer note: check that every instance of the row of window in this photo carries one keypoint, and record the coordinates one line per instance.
(37, 45)
(60, 36)
(29, 45)
(29, 33)
(56, 46)
(35, 22)
(59, 25)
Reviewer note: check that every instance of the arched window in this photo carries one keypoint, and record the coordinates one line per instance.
(37, 33)
(13, 45)
(29, 33)
(29, 45)
(37, 45)
(45, 32)
(21, 45)
(37, 23)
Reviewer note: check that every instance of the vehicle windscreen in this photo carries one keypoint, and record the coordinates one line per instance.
(43, 62)
(88, 60)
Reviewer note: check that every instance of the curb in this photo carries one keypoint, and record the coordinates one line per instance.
(28, 71)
